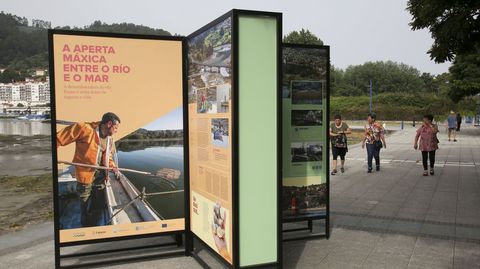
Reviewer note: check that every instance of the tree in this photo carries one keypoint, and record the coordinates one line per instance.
(465, 72)
(386, 77)
(9, 76)
(302, 37)
(454, 25)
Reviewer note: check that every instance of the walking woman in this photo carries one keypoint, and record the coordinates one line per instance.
(427, 133)
(374, 136)
(338, 137)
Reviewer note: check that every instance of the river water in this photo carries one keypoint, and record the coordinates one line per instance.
(23, 127)
(151, 156)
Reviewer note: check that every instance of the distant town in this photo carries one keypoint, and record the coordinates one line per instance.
(29, 99)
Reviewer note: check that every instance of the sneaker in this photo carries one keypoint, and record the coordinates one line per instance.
(333, 172)
(454, 140)
(342, 170)
(369, 170)
(432, 172)
(425, 173)
(377, 168)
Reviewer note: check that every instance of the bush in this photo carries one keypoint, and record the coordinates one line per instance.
(399, 106)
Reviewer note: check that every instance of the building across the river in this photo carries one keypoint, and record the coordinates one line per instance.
(25, 93)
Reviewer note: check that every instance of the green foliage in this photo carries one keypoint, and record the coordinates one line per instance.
(20, 48)
(141, 134)
(302, 37)
(454, 25)
(300, 63)
(399, 106)
(385, 76)
(204, 43)
(23, 47)
(127, 28)
(465, 75)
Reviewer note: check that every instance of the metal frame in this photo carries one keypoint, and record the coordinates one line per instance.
(234, 14)
(58, 244)
(326, 216)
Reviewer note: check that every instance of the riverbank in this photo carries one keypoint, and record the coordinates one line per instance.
(25, 155)
(25, 200)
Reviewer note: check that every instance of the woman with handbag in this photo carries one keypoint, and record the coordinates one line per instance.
(427, 133)
(374, 136)
(338, 137)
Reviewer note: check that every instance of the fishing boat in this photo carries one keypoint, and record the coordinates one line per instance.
(117, 201)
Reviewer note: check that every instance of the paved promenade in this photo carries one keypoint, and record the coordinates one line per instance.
(395, 218)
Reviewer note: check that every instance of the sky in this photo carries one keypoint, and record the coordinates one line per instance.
(170, 121)
(357, 31)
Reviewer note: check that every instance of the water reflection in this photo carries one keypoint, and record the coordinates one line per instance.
(23, 127)
(151, 156)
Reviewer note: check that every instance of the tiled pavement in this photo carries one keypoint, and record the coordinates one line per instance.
(395, 218)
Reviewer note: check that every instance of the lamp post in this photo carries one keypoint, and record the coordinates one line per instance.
(370, 96)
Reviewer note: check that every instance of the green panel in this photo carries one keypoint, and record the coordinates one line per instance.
(257, 106)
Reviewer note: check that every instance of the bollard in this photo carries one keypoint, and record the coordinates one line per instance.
(401, 125)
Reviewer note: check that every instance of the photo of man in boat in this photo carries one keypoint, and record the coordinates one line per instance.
(94, 147)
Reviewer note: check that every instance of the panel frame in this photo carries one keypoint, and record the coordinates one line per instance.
(327, 146)
(234, 14)
(57, 244)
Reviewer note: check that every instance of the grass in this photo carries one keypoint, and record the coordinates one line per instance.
(34, 204)
(355, 137)
(32, 184)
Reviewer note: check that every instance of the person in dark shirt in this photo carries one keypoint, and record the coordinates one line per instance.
(459, 121)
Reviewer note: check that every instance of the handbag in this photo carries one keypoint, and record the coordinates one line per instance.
(378, 144)
(340, 141)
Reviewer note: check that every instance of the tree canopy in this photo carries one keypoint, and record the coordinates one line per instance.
(386, 76)
(302, 37)
(454, 25)
(465, 74)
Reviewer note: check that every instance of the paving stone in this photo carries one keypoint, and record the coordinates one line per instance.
(440, 230)
(410, 227)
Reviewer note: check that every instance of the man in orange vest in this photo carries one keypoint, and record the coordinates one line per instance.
(94, 145)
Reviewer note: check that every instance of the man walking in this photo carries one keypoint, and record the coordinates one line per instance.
(452, 126)
(94, 145)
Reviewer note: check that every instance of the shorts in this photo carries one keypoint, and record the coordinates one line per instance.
(339, 152)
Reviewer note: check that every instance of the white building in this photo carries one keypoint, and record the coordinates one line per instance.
(30, 92)
(16, 89)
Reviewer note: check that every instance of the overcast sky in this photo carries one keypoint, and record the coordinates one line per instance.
(357, 31)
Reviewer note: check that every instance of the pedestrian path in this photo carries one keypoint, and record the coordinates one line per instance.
(397, 218)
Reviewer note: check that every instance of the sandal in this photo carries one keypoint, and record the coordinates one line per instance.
(334, 171)
(425, 173)
(342, 170)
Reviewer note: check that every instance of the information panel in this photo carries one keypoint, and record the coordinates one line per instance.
(305, 157)
(210, 129)
(119, 140)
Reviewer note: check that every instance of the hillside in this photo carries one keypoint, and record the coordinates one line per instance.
(24, 44)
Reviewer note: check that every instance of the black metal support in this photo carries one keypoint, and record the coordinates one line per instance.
(99, 252)
(126, 260)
